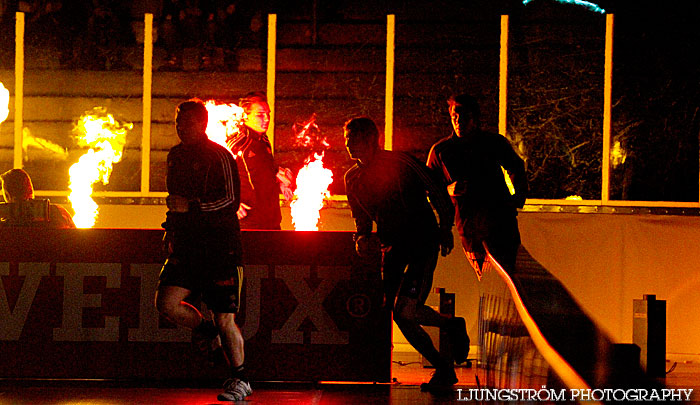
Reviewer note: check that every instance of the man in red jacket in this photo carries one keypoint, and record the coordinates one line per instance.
(261, 179)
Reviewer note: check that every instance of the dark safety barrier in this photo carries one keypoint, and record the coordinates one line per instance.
(79, 304)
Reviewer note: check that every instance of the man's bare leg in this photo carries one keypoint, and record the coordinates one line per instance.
(170, 302)
(405, 318)
(231, 338)
(237, 387)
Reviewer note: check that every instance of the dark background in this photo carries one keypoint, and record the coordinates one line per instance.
(331, 63)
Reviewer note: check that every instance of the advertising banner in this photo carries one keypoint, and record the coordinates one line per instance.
(79, 304)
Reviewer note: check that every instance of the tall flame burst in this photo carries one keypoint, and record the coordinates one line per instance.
(312, 188)
(224, 121)
(4, 102)
(312, 180)
(105, 137)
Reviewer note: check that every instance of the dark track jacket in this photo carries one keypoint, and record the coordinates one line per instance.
(392, 191)
(472, 167)
(205, 174)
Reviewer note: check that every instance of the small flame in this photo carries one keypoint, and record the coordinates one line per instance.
(308, 134)
(4, 102)
(41, 148)
(105, 137)
(225, 121)
(312, 188)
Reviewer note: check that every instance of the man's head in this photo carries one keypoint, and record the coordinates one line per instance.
(191, 118)
(257, 111)
(464, 113)
(16, 186)
(361, 139)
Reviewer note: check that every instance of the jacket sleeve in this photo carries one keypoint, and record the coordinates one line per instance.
(363, 220)
(436, 168)
(224, 184)
(246, 183)
(437, 194)
(511, 161)
(60, 217)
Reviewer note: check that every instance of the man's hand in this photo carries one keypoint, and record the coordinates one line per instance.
(447, 242)
(362, 245)
(177, 203)
(286, 192)
(242, 210)
(285, 177)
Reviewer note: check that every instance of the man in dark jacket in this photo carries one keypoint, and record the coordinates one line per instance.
(390, 189)
(203, 240)
(471, 163)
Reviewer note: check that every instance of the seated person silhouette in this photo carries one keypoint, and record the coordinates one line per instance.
(22, 209)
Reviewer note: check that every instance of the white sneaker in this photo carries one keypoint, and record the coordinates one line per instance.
(235, 390)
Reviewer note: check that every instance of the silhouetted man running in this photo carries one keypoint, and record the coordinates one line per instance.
(470, 163)
(390, 189)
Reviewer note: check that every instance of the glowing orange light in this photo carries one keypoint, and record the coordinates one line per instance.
(225, 121)
(618, 154)
(312, 188)
(4, 102)
(105, 137)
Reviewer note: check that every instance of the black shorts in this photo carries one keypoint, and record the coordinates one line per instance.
(407, 270)
(209, 265)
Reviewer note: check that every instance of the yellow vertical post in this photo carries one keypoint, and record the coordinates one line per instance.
(389, 93)
(503, 78)
(271, 71)
(19, 89)
(607, 107)
(147, 101)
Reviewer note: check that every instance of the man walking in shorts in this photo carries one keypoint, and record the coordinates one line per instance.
(203, 241)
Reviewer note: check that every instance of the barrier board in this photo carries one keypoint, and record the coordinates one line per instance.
(79, 304)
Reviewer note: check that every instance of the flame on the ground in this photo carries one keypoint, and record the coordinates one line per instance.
(312, 188)
(105, 137)
(225, 121)
(4, 102)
